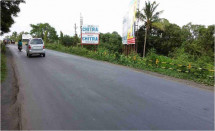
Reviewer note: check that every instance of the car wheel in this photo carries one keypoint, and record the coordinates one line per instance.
(44, 55)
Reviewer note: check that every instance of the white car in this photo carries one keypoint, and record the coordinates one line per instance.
(35, 46)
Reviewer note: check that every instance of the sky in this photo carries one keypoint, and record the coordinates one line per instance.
(107, 14)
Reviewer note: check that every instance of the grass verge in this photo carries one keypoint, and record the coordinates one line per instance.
(3, 63)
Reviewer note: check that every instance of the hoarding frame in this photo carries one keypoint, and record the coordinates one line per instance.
(134, 4)
(90, 34)
(90, 43)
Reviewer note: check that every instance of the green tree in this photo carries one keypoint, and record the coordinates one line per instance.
(197, 44)
(150, 17)
(39, 30)
(14, 36)
(68, 40)
(76, 39)
(111, 41)
(19, 36)
(9, 10)
(171, 39)
(45, 37)
(61, 37)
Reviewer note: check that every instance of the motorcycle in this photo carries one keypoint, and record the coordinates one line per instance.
(20, 48)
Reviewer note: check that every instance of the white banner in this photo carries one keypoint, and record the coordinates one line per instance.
(90, 39)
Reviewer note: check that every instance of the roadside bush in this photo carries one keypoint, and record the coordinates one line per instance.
(3, 64)
(3, 48)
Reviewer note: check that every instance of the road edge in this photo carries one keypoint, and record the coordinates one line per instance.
(18, 93)
(10, 91)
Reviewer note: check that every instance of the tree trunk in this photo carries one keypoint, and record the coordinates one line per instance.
(144, 48)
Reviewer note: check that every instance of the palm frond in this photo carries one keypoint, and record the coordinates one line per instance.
(141, 16)
(154, 8)
(156, 15)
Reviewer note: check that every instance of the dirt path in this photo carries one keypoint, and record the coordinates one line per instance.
(10, 107)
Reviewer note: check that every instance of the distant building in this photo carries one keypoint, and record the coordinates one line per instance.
(26, 38)
(6, 40)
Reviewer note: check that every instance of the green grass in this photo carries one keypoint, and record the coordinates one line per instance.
(3, 64)
(170, 67)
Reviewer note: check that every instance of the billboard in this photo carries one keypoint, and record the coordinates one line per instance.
(129, 23)
(90, 34)
(90, 38)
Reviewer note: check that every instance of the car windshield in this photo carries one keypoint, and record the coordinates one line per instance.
(36, 41)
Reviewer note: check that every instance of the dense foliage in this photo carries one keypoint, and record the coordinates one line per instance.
(17, 36)
(69, 40)
(3, 62)
(44, 30)
(9, 10)
(111, 41)
(191, 43)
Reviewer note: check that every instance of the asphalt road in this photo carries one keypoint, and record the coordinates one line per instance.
(63, 91)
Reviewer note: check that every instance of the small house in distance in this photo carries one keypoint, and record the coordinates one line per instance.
(26, 38)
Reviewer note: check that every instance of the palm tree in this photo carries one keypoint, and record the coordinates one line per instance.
(151, 18)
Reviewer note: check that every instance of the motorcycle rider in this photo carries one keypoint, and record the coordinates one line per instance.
(20, 44)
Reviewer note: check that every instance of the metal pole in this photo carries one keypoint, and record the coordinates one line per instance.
(137, 29)
(81, 23)
(123, 49)
(127, 50)
(81, 35)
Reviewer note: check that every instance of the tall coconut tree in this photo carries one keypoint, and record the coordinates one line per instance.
(150, 17)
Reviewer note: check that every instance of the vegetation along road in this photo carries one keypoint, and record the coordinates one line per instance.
(63, 91)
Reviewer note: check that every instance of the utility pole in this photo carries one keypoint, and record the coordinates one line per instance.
(137, 28)
(75, 29)
(81, 23)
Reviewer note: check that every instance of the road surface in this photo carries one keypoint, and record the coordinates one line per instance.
(63, 91)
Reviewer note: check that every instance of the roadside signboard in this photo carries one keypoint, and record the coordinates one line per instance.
(129, 23)
(90, 34)
(90, 38)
